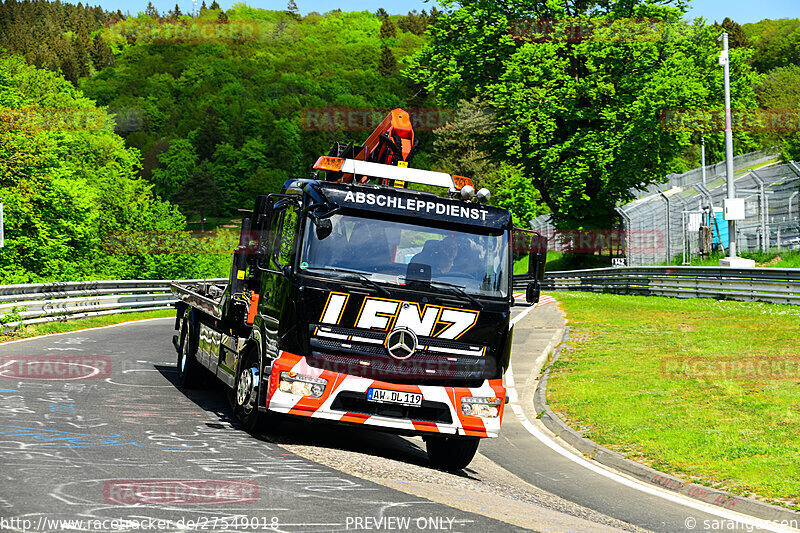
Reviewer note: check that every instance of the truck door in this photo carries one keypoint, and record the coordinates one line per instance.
(280, 249)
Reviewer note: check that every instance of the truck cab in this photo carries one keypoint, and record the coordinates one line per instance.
(355, 300)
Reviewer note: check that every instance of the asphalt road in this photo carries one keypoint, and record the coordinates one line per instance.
(127, 444)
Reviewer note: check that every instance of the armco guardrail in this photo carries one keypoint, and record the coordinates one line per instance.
(773, 285)
(49, 302)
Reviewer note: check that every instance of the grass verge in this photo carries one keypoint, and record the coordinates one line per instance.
(37, 330)
(773, 259)
(656, 379)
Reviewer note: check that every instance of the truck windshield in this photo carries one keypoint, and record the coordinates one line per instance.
(381, 250)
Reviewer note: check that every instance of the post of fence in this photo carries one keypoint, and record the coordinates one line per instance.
(762, 207)
(669, 233)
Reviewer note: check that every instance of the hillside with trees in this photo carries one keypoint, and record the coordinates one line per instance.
(68, 191)
(226, 117)
(202, 111)
(776, 55)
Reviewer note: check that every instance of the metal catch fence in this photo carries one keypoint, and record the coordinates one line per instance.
(682, 219)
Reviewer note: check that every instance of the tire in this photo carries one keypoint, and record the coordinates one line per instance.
(245, 393)
(451, 454)
(188, 367)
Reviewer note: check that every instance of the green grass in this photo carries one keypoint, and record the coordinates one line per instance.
(736, 433)
(773, 259)
(743, 171)
(559, 261)
(36, 330)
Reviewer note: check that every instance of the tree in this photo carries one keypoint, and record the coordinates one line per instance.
(66, 192)
(387, 64)
(151, 11)
(178, 165)
(462, 147)
(580, 117)
(413, 22)
(776, 43)
(100, 53)
(214, 5)
(199, 194)
(736, 36)
(388, 29)
(780, 88)
(780, 91)
(80, 47)
(293, 11)
(381, 13)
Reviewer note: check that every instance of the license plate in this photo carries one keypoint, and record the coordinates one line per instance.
(392, 396)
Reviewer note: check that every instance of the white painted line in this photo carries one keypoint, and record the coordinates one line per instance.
(522, 315)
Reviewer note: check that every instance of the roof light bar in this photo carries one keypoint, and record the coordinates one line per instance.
(397, 173)
(460, 182)
(333, 164)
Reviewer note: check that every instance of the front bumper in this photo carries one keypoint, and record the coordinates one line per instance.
(344, 400)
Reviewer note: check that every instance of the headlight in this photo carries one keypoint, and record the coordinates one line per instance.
(294, 383)
(482, 407)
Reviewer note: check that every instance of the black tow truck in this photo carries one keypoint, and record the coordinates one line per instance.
(355, 300)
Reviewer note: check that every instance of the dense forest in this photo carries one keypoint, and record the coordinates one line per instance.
(192, 114)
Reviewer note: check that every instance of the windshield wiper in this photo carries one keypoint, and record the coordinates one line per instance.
(363, 276)
(459, 289)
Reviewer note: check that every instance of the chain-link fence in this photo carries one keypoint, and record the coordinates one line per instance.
(712, 172)
(690, 221)
(682, 219)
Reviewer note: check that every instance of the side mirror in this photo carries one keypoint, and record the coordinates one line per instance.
(537, 258)
(532, 292)
(324, 227)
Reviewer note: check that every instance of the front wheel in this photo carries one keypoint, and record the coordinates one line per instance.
(245, 393)
(188, 367)
(451, 454)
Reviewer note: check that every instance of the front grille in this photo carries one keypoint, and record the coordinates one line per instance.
(356, 402)
(381, 335)
(332, 344)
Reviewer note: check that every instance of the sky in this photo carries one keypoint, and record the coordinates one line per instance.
(742, 11)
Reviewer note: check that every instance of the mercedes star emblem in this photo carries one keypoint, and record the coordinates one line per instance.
(401, 343)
